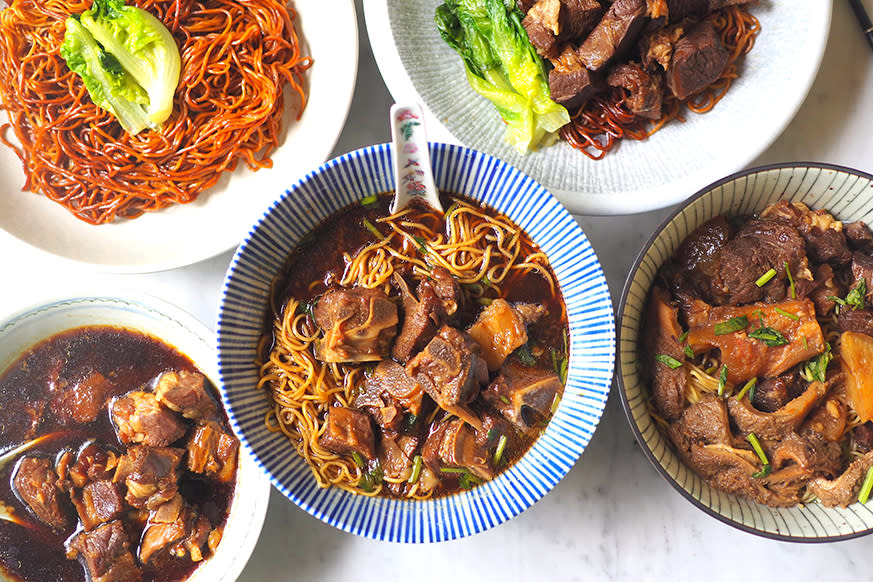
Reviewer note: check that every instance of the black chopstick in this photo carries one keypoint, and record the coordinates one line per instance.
(863, 20)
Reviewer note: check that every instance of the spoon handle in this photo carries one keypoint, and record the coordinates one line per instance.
(412, 171)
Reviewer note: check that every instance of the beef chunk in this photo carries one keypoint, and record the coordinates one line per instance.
(825, 240)
(82, 401)
(524, 395)
(186, 393)
(820, 289)
(388, 393)
(656, 45)
(358, 325)
(661, 336)
(140, 418)
(550, 21)
(757, 247)
(773, 393)
(643, 89)
(857, 320)
(679, 9)
(453, 444)
(570, 83)
(97, 503)
(105, 553)
(862, 268)
(614, 35)
(719, 4)
(348, 431)
(176, 527)
(423, 315)
(212, 452)
(699, 59)
(34, 482)
(842, 490)
(777, 424)
(862, 434)
(92, 464)
(451, 371)
(151, 475)
(501, 328)
(859, 236)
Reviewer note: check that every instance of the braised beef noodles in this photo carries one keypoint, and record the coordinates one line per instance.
(414, 355)
(758, 350)
(133, 470)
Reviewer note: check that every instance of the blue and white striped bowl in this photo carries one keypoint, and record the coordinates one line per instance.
(350, 178)
(848, 195)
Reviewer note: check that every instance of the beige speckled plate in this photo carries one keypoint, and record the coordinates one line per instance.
(639, 176)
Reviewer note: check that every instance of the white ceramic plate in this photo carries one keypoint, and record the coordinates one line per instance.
(639, 176)
(23, 326)
(219, 219)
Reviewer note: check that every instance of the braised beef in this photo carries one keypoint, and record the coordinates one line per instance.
(614, 35)
(212, 451)
(699, 58)
(706, 421)
(862, 435)
(644, 90)
(661, 340)
(825, 240)
(105, 552)
(140, 419)
(524, 396)
(656, 45)
(151, 475)
(570, 83)
(679, 9)
(98, 502)
(550, 21)
(454, 445)
(358, 325)
(857, 320)
(389, 394)
(348, 431)
(842, 490)
(821, 290)
(165, 525)
(186, 393)
(35, 483)
(859, 236)
(862, 268)
(437, 299)
(781, 422)
(92, 463)
(774, 392)
(82, 401)
(451, 371)
(501, 328)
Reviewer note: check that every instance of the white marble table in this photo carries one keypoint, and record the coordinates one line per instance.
(612, 517)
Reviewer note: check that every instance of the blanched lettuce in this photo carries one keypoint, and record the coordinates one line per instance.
(503, 66)
(128, 61)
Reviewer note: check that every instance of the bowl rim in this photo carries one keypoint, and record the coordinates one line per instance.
(620, 313)
(55, 305)
(466, 521)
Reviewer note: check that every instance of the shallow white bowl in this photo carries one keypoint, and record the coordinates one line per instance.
(25, 326)
(346, 180)
(848, 195)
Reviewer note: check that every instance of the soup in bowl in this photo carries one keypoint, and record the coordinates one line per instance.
(417, 376)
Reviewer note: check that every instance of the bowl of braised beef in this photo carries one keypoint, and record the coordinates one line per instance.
(417, 376)
(746, 343)
(117, 462)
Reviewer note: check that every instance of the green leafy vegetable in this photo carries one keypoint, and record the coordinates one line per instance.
(128, 61)
(731, 325)
(502, 65)
(689, 353)
(668, 361)
(855, 296)
(771, 337)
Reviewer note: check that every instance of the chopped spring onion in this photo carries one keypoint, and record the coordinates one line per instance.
(790, 316)
(747, 387)
(358, 459)
(688, 351)
(684, 335)
(731, 325)
(817, 368)
(525, 356)
(805, 345)
(504, 399)
(370, 200)
(722, 380)
(864, 494)
(457, 470)
(759, 450)
(771, 337)
(467, 480)
(422, 247)
(791, 290)
(765, 278)
(556, 402)
(416, 469)
(373, 230)
(668, 361)
(855, 296)
(498, 452)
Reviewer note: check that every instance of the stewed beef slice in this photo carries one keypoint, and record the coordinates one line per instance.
(523, 395)
(81, 401)
(105, 552)
(644, 90)
(656, 45)
(679, 9)
(98, 502)
(862, 268)
(661, 342)
(570, 83)
(857, 320)
(614, 35)
(34, 482)
(151, 475)
(358, 325)
(140, 419)
(549, 22)
(212, 451)
(434, 301)
(348, 431)
(454, 444)
(186, 393)
(859, 236)
(699, 59)
(825, 240)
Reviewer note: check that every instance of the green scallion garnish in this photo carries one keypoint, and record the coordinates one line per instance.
(732, 325)
(370, 200)
(759, 450)
(864, 494)
(765, 278)
(722, 380)
(790, 316)
(771, 337)
(358, 459)
(498, 452)
(668, 361)
(689, 353)
(422, 247)
(556, 402)
(747, 387)
(373, 230)
(684, 335)
(416, 469)
(791, 290)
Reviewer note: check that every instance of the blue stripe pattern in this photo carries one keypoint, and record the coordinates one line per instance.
(349, 178)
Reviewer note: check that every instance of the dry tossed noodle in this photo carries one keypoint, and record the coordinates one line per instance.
(480, 250)
(237, 55)
(596, 127)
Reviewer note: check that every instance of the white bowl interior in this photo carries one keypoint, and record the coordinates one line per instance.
(457, 169)
(180, 330)
(848, 195)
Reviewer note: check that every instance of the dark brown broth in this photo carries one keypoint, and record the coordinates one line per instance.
(130, 360)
